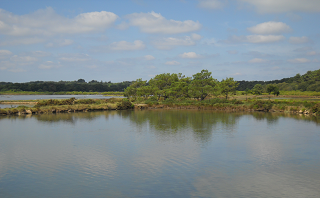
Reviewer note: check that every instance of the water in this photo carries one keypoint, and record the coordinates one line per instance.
(159, 153)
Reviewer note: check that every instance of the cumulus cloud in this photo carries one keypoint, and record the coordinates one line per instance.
(75, 57)
(190, 55)
(21, 41)
(312, 53)
(47, 22)
(149, 57)
(257, 60)
(17, 58)
(233, 52)
(299, 60)
(298, 40)
(196, 37)
(60, 43)
(5, 53)
(270, 27)
(48, 65)
(155, 23)
(279, 6)
(255, 39)
(172, 63)
(127, 46)
(169, 43)
(210, 4)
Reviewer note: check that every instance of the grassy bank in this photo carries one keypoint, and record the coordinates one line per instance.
(60, 93)
(75, 105)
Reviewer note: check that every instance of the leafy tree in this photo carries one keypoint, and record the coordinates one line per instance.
(228, 86)
(257, 89)
(162, 83)
(132, 90)
(202, 85)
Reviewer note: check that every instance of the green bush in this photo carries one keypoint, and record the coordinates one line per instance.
(316, 108)
(125, 104)
(262, 105)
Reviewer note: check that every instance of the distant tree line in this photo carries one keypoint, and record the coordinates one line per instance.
(61, 86)
(309, 81)
(177, 86)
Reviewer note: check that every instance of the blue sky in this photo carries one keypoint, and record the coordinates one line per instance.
(129, 39)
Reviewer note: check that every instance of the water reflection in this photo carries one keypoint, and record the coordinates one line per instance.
(159, 153)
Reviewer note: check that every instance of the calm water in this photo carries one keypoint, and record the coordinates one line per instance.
(159, 154)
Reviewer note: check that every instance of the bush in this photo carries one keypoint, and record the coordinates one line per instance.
(262, 105)
(316, 108)
(125, 104)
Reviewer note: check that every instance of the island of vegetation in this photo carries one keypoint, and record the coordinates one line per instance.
(201, 91)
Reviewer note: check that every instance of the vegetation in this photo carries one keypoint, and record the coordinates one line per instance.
(64, 86)
(309, 81)
(178, 87)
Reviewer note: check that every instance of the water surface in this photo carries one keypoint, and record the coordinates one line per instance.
(159, 153)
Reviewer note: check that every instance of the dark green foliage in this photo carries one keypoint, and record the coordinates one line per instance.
(65, 86)
(316, 108)
(85, 101)
(124, 104)
(309, 81)
(52, 102)
(262, 105)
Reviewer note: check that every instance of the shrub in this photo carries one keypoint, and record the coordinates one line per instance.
(124, 104)
(316, 108)
(262, 105)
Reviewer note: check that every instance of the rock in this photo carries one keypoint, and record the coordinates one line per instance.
(306, 112)
(28, 111)
(300, 111)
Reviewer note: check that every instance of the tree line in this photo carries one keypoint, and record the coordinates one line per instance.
(309, 81)
(177, 86)
(63, 86)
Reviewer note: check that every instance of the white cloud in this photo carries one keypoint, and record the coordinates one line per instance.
(299, 60)
(169, 43)
(127, 46)
(257, 60)
(149, 57)
(211, 4)
(155, 23)
(256, 39)
(75, 57)
(195, 36)
(172, 63)
(40, 53)
(190, 55)
(46, 65)
(298, 40)
(279, 6)
(233, 52)
(5, 53)
(47, 22)
(270, 27)
(17, 58)
(21, 41)
(312, 53)
(60, 43)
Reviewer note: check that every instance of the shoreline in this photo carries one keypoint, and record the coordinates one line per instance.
(107, 107)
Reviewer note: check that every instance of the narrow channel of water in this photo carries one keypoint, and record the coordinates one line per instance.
(159, 153)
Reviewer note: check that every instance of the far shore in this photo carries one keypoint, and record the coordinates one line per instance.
(244, 104)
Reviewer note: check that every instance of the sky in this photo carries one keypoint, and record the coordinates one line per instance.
(112, 40)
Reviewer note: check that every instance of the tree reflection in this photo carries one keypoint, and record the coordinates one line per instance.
(176, 122)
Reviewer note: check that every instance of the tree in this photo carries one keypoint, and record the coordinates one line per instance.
(247, 91)
(162, 83)
(228, 86)
(202, 85)
(131, 91)
(257, 89)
